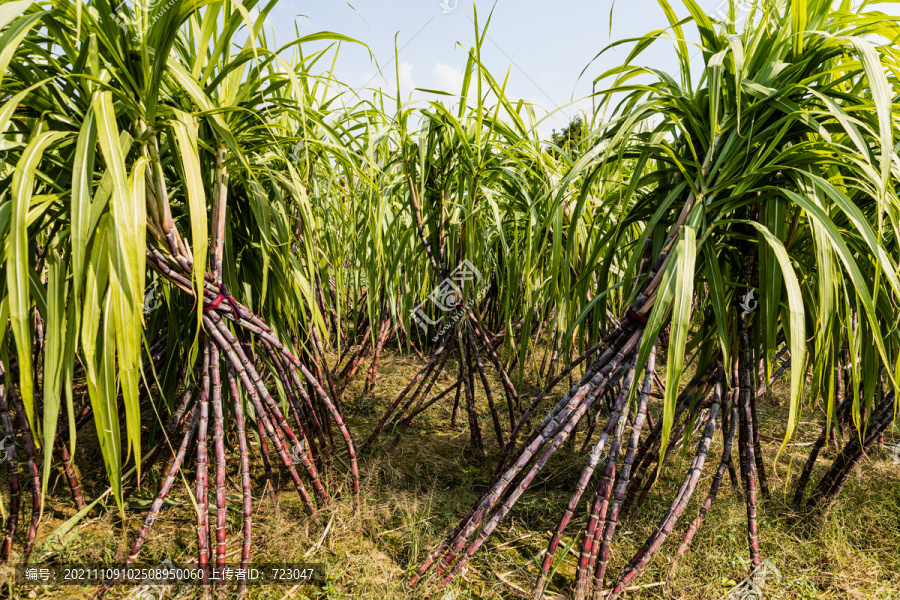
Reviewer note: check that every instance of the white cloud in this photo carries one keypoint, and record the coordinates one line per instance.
(449, 79)
(407, 83)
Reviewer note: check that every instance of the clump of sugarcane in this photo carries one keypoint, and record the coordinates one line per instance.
(12, 417)
(471, 342)
(846, 462)
(656, 539)
(865, 433)
(225, 321)
(615, 363)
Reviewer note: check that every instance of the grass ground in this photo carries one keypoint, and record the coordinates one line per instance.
(412, 495)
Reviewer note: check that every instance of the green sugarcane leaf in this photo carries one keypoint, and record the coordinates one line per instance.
(797, 328)
(798, 23)
(54, 351)
(19, 263)
(683, 278)
(186, 136)
(12, 37)
(82, 182)
(126, 254)
(718, 298)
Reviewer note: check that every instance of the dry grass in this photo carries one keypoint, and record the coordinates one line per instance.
(413, 495)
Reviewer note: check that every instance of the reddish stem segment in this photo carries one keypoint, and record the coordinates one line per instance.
(245, 475)
(219, 448)
(713, 488)
(746, 448)
(203, 475)
(656, 539)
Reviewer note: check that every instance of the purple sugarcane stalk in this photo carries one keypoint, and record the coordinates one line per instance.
(203, 476)
(169, 479)
(551, 447)
(245, 475)
(656, 539)
(748, 461)
(476, 442)
(598, 511)
(12, 465)
(551, 437)
(219, 447)
(713, 488)
(261, 416)
(625, 475)
(475, 360)
(30, 463)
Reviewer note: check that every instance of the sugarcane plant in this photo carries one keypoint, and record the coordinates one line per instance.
(502, 227)
(152, 135)
(771, 174)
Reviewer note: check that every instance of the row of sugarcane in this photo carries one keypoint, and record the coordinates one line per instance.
(233, 338)
(625, 481)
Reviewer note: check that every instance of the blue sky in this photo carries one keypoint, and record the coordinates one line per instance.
(544, 46)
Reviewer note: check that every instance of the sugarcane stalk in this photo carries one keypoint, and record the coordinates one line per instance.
(475, 360)
(748, 462)
(383, 334)
(460, 384)
(160, 497)
(219, 448)
(713, 488)
(219, 212)
(559, 436)
(69, 470)
(692, 397)
(264, 453)
(451, 545)
(297, 409)
(203, 476)
(600, 506)
(551, 437)
(12, 466)
(625, 474)
(476, 443)
(31, 465)
(656, 539)
(595, 367)
(701, 404)
(512, 396)
(245, 475)
(260, 394)
(240, 370)
(820, 442)
(834, 480)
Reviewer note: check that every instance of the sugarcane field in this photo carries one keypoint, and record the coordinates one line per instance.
(450, 300)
